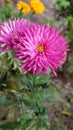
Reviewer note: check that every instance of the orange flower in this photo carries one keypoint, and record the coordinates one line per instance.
(37, 6)
(23, 7)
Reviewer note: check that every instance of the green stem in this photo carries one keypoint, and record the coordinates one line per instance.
(34, 81)
(37, 104)
(34, 85)
(31, 15)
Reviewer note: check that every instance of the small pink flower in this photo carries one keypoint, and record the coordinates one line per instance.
(42, 48)
(10, 32)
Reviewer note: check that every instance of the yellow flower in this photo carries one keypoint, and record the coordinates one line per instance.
(37, 6)
(20, 5)
(23, 7)
(26, 9)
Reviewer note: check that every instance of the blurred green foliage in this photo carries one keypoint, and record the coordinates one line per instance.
(9, 11)
(52, 22)
(65, 15)
(62, 4)
(5, 12)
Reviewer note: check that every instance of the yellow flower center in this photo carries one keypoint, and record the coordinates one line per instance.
(40, 48)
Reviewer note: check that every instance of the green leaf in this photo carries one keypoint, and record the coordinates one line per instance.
(29, 123)
(58, 123)
(62, 4)
(30, 104)
(52, 22)
(54, 94)
(5, 102)
(42, 125)
(42, 81)
(9, 125)
(70, 33)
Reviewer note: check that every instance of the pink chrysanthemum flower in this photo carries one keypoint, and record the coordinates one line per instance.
(42, 48)
(10, 32)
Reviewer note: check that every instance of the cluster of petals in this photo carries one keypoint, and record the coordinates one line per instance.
(36, 6)
(23, 7)
(11, 31)
(38, 47)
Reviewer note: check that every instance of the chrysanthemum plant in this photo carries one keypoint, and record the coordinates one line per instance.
(22, 10)
(40, 50)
